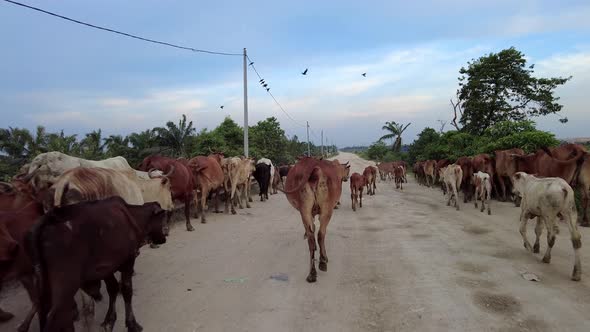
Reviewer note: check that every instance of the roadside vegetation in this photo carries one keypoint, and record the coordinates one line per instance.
(266, 138)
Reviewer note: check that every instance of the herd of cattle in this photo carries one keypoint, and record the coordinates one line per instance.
(541, 183)
(68, 223)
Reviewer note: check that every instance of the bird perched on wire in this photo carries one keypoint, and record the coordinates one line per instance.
(267, 89)
(265, 85)
(364, 74)
(305, 71)
(221, 106)
(251, 63)
(261, 80)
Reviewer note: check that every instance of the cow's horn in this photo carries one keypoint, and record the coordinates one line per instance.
(169, 172)
(29, 176)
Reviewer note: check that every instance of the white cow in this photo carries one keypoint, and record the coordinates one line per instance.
(273, 189)
(452, 177)
(47, 167)
(547, 199)
(483, 189)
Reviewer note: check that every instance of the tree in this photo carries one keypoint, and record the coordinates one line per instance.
(500, 87)
(395, 133)
(175, 137)
(267, 140)
(91, 146)
(117, 145)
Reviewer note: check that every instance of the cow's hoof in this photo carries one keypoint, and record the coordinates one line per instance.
(457, 207)
(311, 278)
(203, 221)
(154, 246)
(536, 248)
(166, 231)
(134, 327)
(190, 228)
(323, 266)
(585, 224)
(5, 316)
(489, 212)
(233, 212)
(106, 327)
(547, 259)
(577, 274)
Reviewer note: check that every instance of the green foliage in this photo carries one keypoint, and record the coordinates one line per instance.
(500, 87)
(503, 135)
(267, 139)
(395, 133)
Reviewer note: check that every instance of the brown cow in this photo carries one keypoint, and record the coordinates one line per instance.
(357, 183)
(370, 174)
(505, 167)
(182, 182)
(14, 262)
(208, 177)
(67, 254)
(313, 187)
(581, 177)
(543, 164)
(343, 172)
(467, 171)
(429, 168)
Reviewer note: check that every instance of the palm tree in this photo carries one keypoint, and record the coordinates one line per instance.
(176, 137)
(117, 145)
(91, 146)
(395, 132)
(63, 143)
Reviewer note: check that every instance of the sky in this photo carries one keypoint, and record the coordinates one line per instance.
(67, 76)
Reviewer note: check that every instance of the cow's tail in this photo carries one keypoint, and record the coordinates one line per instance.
(61, 189)
(33, 247)
(304, 179)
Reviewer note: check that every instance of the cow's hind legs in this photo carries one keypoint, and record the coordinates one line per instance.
(111, 315)
(127, 290)
(550, 240)
(576, 243)
(309, 233)
(538, 232)
(523, 220)
(324, 220)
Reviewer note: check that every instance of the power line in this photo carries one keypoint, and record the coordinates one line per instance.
(273, 97)
(121, 33)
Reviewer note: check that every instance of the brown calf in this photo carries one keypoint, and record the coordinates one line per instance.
(357, 183)
(370, 174)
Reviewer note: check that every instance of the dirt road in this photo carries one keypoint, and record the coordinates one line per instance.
(404, 262)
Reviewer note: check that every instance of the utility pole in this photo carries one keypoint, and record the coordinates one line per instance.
(245, 103)
(322, 143)
(308, 146)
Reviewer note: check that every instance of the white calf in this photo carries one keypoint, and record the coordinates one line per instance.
(547, 199)
(452, 177)
(483, 189)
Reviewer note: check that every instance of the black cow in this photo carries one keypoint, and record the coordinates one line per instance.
(262, 175)
(79, 245)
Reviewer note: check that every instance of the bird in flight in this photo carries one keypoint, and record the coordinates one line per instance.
(221, 107)
(364, 74)
(304, 72)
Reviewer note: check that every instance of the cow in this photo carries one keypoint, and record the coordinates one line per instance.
(284, 171)
(384, 170)
(262, 176)
(440, 164)
(343, 173)
(398, 175)
(357, 183)
(505, 166)
(467, 171)
(547, 199)
(485, 164)
(14, 262)
(273, 189)
(65, 240)
(237, 173)
(419, 172)
(453, 176)
(483, 190)
(541, 163)
(370, 174)
(208, 178)
(581, 178)
(313, 187)
(182, 182)
(276, 179)
(429, 168)
(47, 167)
